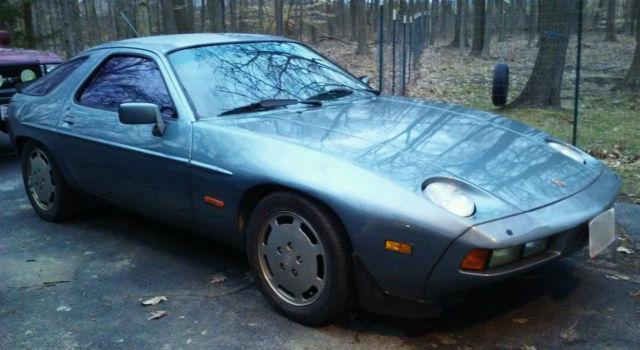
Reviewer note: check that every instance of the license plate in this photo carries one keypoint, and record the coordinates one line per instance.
(3, 111)
(602, 231)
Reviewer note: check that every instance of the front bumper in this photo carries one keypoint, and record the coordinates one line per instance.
(565, 222)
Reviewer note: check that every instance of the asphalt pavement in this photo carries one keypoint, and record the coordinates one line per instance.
(79, 285)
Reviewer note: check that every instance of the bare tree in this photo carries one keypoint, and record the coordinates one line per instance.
(69, 42)
(142, 18)
(434, 21)
(278, 8)
(182, 17)
(544, 84)
(479, 21)
(459, 19)
(261, 15)
(631, 80)
(216, 15)
(361, 24)
(611, 21)
(27, 16)
(168, 19)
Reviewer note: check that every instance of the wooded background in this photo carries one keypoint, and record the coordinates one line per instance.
(69, 26)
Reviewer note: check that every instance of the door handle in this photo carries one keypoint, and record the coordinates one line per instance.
(68, 120)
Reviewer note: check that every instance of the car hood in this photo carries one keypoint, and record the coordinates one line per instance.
(22, 56)
(409, 141)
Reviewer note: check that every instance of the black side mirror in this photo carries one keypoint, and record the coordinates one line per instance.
(142, 113)
(365, 79)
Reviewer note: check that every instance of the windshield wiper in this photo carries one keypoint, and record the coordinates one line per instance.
(331, 94)
(269, 104)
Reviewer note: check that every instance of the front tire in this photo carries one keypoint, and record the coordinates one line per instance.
(299, 255)
(48, 192)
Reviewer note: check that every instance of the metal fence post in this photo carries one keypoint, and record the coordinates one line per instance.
(576, 102)
(380, 46)
(393, 53)
(410, 47)
(404, 52)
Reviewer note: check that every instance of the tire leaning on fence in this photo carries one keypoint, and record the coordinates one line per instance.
(500, 88)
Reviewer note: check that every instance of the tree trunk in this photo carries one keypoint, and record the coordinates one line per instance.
(458, 18)
(489, 26)
(191, 16)
(598, 14)
(27, 17)
(479, 21)
(168, 18)
(611, 21)
(95, 34)
(69, 42)
(353, 5)
(631, 80)
(216, 15)
(341, 16)
(544, 85)
(181, 16)
(329, 21)
(142, 18)
(278, 7)
(444, 5)
(260, 16)
(500, 16)
(361, 24)
(233, 16)
(434, 21)
(533, 21)
(79, 32)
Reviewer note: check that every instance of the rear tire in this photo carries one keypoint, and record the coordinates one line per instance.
(299, 256)
(49, 194)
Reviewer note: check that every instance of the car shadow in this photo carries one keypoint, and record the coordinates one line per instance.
(554, 281)
(6, 150)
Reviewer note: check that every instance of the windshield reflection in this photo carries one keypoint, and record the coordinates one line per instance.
(219, 78)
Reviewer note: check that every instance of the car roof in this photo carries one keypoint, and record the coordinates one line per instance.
(164, 44)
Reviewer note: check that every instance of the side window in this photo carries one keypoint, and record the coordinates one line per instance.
(50, 81)
(123, 79)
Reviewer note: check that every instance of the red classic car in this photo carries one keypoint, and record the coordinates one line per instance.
(20, 65)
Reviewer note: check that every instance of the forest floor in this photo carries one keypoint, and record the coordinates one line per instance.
(609, 122)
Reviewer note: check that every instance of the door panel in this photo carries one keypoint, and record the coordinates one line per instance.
(127, 163)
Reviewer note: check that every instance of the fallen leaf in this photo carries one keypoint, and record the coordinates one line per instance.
(520, 320)
(218, 279)
(570, 335)
(155, 300)
(625, 250)
(157, 314)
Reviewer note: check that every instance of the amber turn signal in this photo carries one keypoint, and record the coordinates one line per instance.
(398, 247)
(213, 201)
(475, 260)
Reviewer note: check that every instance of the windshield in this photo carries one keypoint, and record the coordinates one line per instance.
(219, 78)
